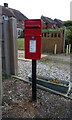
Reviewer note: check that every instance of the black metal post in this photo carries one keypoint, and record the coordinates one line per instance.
(34, 80)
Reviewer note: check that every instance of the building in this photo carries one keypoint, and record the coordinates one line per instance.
(49, 23)
(71, 10)
(9, 12)
(58, 22)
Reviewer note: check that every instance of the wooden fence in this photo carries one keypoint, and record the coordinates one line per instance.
(50, 39)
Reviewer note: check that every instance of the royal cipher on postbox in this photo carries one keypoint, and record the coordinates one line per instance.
(33, 38)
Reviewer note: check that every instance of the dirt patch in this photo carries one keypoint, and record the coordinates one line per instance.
(17, 102)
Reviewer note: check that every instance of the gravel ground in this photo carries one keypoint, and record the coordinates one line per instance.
(52, 69)
(17, 94)
(17, 104)
(56, 66)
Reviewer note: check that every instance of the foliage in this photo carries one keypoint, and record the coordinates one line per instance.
(68, 35)
(68, 25)
(20, 42)
(52, 29)
(4, 75)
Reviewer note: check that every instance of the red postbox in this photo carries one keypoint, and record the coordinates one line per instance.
(33, 36)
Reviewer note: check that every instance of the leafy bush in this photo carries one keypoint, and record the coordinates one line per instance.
(69, 35)
(68, 25)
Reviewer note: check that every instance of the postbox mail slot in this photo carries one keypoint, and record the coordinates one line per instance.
(32, 26)
(32, 35)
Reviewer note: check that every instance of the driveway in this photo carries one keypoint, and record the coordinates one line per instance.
(58, 57)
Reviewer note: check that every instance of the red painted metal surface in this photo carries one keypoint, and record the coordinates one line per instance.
(33, 38)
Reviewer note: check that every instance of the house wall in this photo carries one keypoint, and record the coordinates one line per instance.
(43, 25)
(20, 24)
(20, 28)
(49, 39)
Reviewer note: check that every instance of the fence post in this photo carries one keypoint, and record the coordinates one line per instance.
(67, 50)
(64, 31)
(13, 46)
(55, 49)
(0, 62)
(6, 59)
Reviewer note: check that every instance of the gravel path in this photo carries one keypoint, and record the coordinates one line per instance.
(52, 69)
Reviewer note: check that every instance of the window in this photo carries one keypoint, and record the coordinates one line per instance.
(5, 17)
(17, 21)
(22, 22)
(19, 32)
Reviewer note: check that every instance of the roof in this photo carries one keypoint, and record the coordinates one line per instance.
(52, 21)
(13, 13)
(55, 23)
(58, 20)
(47, 19)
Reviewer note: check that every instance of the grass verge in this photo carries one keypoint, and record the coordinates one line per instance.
(20, 42)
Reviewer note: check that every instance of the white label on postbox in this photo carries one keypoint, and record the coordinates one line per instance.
(32, 46)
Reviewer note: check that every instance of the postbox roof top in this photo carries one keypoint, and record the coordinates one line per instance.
(34, 22)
